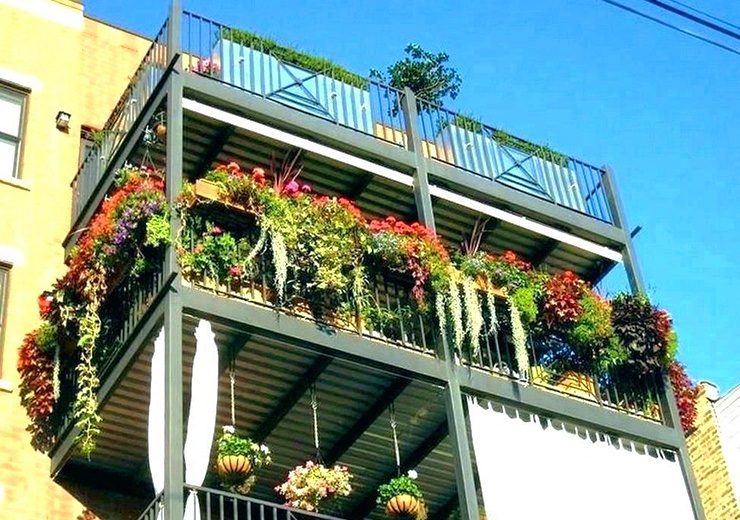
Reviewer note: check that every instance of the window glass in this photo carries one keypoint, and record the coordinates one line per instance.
(11, 110)
(7, 157)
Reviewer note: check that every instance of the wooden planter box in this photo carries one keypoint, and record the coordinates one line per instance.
(571, 383)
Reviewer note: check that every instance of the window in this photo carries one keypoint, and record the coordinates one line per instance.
(12, 110)
(4, 277)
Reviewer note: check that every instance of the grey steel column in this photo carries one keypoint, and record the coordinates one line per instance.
(456, 421)
(666, 397)
(421, 180)
(174, 479)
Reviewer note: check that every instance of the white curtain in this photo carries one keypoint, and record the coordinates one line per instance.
(156, 417)
(202, 416)
(531, 467)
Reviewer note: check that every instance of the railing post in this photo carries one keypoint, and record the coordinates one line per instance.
(173, 499)
(669, 409)
(628, 251)
(421, 180)
(174, 33)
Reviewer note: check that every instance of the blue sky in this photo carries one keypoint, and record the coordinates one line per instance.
(589, 80)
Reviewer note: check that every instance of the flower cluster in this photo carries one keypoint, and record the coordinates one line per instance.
(207, 66)
(36, 369)
(309, 485)
(686, 393)
(122, 237)
(561, 295)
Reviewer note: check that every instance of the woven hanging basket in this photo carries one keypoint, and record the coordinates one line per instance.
(403, 506)
(233, 467)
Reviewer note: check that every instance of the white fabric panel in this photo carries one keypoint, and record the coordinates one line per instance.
(156, 417)
(532, 468)
(202, 416)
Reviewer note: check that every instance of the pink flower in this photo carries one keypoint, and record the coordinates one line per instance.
(306, 188)
(235, 271)
(292, 188)
(198, 249)
(215, 230)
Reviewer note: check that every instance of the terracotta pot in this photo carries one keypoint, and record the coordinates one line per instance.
(160, 130)
(232, 467)
(402, 506)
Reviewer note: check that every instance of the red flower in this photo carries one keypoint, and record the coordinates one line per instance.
(686, 393)
(45, 300)
(235, 271)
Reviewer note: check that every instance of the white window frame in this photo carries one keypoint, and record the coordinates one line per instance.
(22, 96)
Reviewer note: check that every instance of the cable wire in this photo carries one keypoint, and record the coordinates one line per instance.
(694, 18)
(706, 14)
(671, 26)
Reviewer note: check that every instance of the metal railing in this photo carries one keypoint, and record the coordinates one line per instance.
(492, 154)
(496, 355)
(390, 314)
(220, 505)
(120, 315)
(220, 52)
(109, 139)
(153, 510)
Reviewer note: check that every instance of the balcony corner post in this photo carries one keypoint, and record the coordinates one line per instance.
(628, 251)
(421, 179)
(174, 28)
(457, 426)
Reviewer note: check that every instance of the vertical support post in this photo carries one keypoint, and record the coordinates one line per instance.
(628, 252)
(421, 180)
(456, 421)
(174, 506)
(666, 397)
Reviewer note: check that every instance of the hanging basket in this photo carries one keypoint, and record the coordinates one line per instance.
(233, 467)
(403, 506)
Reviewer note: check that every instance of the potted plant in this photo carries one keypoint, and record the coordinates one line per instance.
(310, 485)
(237, 459)
(402, 497)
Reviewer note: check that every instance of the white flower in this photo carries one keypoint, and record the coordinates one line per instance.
(229, 429)
(264, 449)
(413, 475)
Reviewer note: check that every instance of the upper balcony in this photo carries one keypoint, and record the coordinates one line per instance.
(552, 209)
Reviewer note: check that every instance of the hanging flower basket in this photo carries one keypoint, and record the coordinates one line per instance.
(233, 467)
(403, 506)
(402, 498)
(237, 459)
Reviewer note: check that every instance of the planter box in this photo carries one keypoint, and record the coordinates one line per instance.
(484, 156)
(309, 91)
(571, 383)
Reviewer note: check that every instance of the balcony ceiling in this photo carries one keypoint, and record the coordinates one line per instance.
(271, 378)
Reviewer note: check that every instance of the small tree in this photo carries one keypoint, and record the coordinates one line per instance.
(425, 73)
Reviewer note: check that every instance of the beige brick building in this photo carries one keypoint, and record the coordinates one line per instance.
(708, 450)
(53, 59)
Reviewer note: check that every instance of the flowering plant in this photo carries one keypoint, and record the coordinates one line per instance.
(36, 389)
(207, 66)
(229, 443)
(403, 485)
(561, 305)
(686, 393)
(310, 484)
(132, 222)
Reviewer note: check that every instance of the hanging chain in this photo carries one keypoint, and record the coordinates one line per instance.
(315, 409)
(395, 439)
(231, 381)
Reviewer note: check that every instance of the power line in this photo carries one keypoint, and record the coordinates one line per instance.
(671, 26)
(706, 14)
(694, 18)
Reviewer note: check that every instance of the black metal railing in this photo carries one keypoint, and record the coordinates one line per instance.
(220, 505)
(490, 153)
(611, 389)
(108, 140)
(120, 315)
(225, 54)
(386, 312)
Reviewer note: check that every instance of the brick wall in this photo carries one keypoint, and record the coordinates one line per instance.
(717, 495)
(81, 66)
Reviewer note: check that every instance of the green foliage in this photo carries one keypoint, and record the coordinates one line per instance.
(229, 443)
(293, 56)
(386, 321)
(402, 485)
(425, 73)
(544, 152)
(46, 340)
(524, 299)
(158, 230)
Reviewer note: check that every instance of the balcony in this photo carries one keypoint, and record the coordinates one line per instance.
(384, 319)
